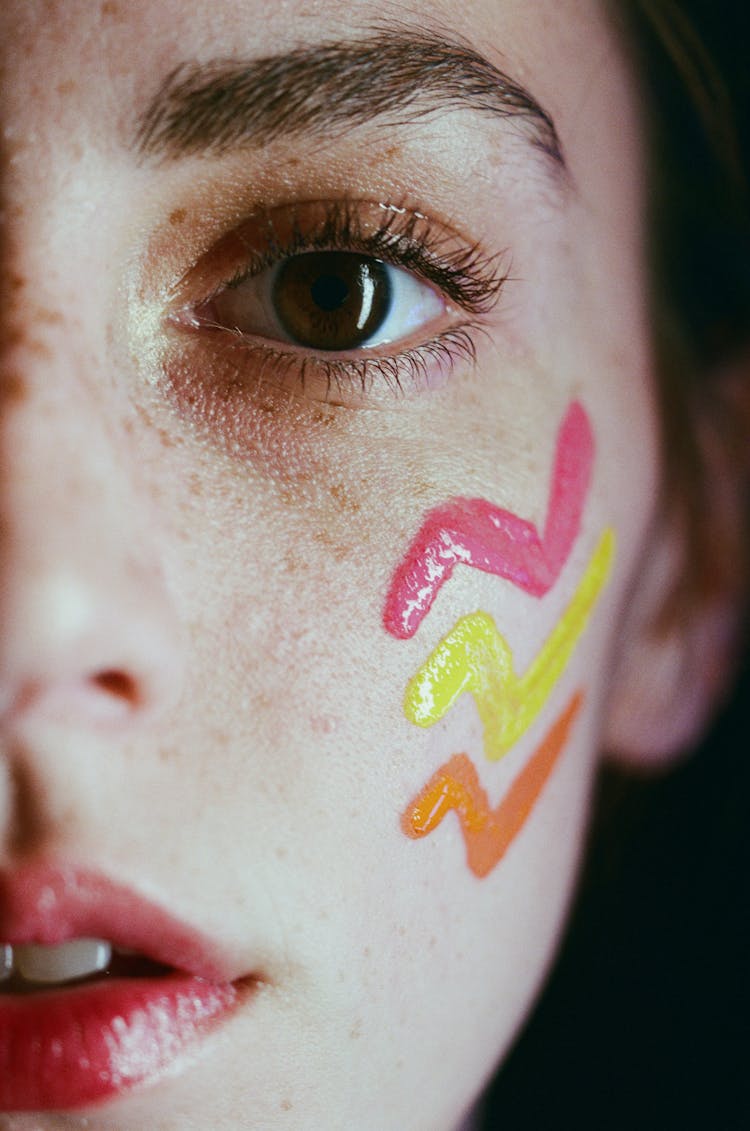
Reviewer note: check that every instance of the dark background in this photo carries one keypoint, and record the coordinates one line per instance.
(645, 1022)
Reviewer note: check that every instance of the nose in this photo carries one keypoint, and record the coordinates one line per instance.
(88, 632)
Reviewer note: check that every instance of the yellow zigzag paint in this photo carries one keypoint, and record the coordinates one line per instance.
(474, 657)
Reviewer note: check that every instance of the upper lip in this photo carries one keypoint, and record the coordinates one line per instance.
(48, 905)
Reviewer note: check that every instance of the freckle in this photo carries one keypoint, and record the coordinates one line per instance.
(166, 440)
(337, 551)
(287, 498)
(17, 282)
(144, 415)
(421, 488)
(110, 10)
(325, 418)
(342, 496)
(49, 317)
(178, 216)
(291, 561)
(12, 211)
(286, 1105)
(66, 87)
(356, 1030)
(13, 389)
(33, 345)
(323, 724)
(281, 853)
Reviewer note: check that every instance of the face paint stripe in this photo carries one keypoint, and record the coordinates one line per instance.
(473, 532)
(487, 832)
(475, 658)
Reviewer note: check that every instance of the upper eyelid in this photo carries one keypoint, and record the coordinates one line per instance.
(406, 237)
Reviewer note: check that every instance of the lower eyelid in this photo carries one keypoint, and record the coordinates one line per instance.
(236, 368)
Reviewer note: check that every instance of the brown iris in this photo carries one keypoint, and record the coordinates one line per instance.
(331, 300)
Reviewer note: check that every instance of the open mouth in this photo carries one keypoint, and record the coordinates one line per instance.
(31, 968)
(100, 990)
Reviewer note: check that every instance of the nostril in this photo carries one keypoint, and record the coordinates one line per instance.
(117, 685)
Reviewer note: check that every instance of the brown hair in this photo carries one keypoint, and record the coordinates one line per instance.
(699, 249)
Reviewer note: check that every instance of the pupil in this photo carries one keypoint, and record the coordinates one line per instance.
(332, 300)
(329, 292)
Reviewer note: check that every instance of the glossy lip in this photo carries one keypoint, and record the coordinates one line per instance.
(68, 1047)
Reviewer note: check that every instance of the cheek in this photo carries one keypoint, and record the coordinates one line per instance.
(474, 952)
(327, 687)
(418, 864)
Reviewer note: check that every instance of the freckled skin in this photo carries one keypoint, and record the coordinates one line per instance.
(12, 387)
(223, 545)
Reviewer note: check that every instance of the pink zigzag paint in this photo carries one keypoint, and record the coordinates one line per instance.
(473, 532)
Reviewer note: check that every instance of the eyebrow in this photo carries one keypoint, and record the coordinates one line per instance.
(213, 107)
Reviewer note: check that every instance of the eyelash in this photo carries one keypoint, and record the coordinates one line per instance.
(462, 273)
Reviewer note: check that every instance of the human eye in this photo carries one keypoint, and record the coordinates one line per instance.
(345, 302)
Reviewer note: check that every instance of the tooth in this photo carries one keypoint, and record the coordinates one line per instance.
(6, 962)
(63, 963)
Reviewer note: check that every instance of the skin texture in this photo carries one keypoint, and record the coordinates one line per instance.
(200, 699)
(471, 532)
(474, 658)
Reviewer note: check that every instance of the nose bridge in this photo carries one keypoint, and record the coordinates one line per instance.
(86, 626)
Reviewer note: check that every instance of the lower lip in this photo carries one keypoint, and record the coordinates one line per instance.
(65, 1048)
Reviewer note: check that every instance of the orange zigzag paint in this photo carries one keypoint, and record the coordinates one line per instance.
(487, 832)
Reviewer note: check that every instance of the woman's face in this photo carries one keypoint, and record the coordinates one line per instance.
(239, 735)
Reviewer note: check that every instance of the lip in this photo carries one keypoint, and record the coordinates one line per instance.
(68, 1047)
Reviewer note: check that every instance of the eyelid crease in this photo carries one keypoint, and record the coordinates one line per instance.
(403, 237)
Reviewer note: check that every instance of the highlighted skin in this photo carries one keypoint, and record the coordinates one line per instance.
(474, 657)
(487, 832)
(473, 532)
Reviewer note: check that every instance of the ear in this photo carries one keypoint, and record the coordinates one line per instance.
(670, 680)
(677, 655)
